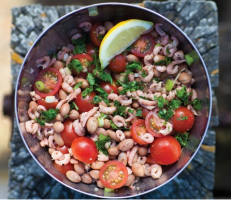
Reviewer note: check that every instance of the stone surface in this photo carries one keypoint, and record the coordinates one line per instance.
(199, 20)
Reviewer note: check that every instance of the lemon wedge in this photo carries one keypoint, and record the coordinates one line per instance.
(121, 36)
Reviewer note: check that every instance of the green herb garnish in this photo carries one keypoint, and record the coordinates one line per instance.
(75, 65)
(47, 116)
(100, 144)
(182, 138)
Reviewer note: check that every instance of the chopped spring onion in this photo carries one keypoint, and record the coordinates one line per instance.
(50, 99)
(101, 120)
(93, 11)
(67, 71)
(191, 57)
(169, 84)
(39, 85)
(108, 189)
(136, 75)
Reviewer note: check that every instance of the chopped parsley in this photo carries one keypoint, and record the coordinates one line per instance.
(103, 75)
(174, 104)
(47, 116)
(90, 79)
(77, 85)
(100, 144)
(130, 86)
(196, 103)
(181, 118)
(143, 73)
(134, 65)
(165, 62)
(75, 65)
(182, 138)
(183, 95)
(87, 91)
(138, 112)
(120, 111)
(80, 45)
(73, 106)
(97, 99)
(165, 114)
(113, 125)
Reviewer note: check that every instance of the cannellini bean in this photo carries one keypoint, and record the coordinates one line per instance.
(58, 127)
(97, 165)
(58, 139)
(85, 83)
(73, 161)
(123, 158)
(185, 78)
(142, 159)
(59, 117)
(107, 124)
(138, 169)
(130, 180)
(126, 144)
(127, 134)
(65, 109)
(114, 151)
(92, 125)
(94, 174)
(79, 168)
(74, 114)
(143, 151)
(131, 57)
(58, 64)
(112, 135)
(73, 176)
(86, 178)
(158, 58)
(135, 104)
(62, 94)
(101, 131)
(99, 184)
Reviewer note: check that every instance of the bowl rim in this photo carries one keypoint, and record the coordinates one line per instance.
(114, 4)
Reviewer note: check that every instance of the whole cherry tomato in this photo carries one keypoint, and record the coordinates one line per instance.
(117, 64)
(84, 103)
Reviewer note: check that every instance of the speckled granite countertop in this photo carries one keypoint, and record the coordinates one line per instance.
(199, 21)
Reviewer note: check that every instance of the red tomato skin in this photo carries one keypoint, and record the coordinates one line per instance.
(108, 87)
(63, 149)
(47, 105)
(117, 64)
(57, 86)
(135, 125)
(183, 125)
(150, 160)
(142, 42)
(84, 104)
(84, 149)
(119, 166)
(84, 59)
(144, 112)
(93, 35)
(68, 134)
(165, 150)
(64, 168)
(90, 47)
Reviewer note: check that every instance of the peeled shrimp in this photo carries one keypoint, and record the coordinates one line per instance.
(120, 135)
(107, 110)
(86, 26)
(78, 128)
(44, 62)
(64, 160)
(148, 59)
(113, 97)
(147, 137)
(73, 95)
(119, 121)
(156, 171)
(86, 115)
(150, 73)
(132, 154)
(124, 101)
(31, 126)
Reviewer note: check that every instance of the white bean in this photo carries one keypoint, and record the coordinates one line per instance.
(74, 114)
(138, 169)
(79, 168)
(130, 180)
(58, 127)
(65, 109)
(73, 176)
(126, 144)
(94, 174)
(99, 184)
(143, 151)
(62, 94)
(131, 57)
(123, 158)
(112, 135)
(92, 125)
(86, 178)
(58, 139)
(97, 165)
(114, 151)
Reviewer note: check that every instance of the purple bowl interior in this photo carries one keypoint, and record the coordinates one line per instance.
(58, 35)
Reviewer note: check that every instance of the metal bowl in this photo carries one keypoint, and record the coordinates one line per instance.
(58, 35)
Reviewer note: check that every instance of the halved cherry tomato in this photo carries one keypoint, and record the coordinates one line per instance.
(165, 150)
(143, 46)
(91, 49)
(150, 159)
(85, 104)
(51, 80)
(144, 112)
(84, 149)
(68, 134)
(64, 168)
(63, 149)
(154, 124)
(85, 60)
(113, 174)
(109, 88)
(183, 119)
(47, 105)
(95, 38)
(117, 64)
(138, 128)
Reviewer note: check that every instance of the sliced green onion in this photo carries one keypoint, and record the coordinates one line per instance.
(40, 85)
(157, 45)
(169, 84)
(189, 59)
(93, 11)
(25, 81)
(108, 189)
(100, 122)
(67, 71)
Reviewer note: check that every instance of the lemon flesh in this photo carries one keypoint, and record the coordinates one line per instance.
(119, 37)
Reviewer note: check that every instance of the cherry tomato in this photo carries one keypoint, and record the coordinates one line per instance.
(95, 38)
(109, 88)
(143, 46)
(138, 129)
(63, 149)
(84, 149)
(117, 64)
(113, 174)
(183, 119)
(154, 124)
(150, 159)
(47, 105)
(91, 49)
(68, 134)
(165, 150)
(85, 60)
(48, 82)
(84, 104)
(64, 168)
(144, 112)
